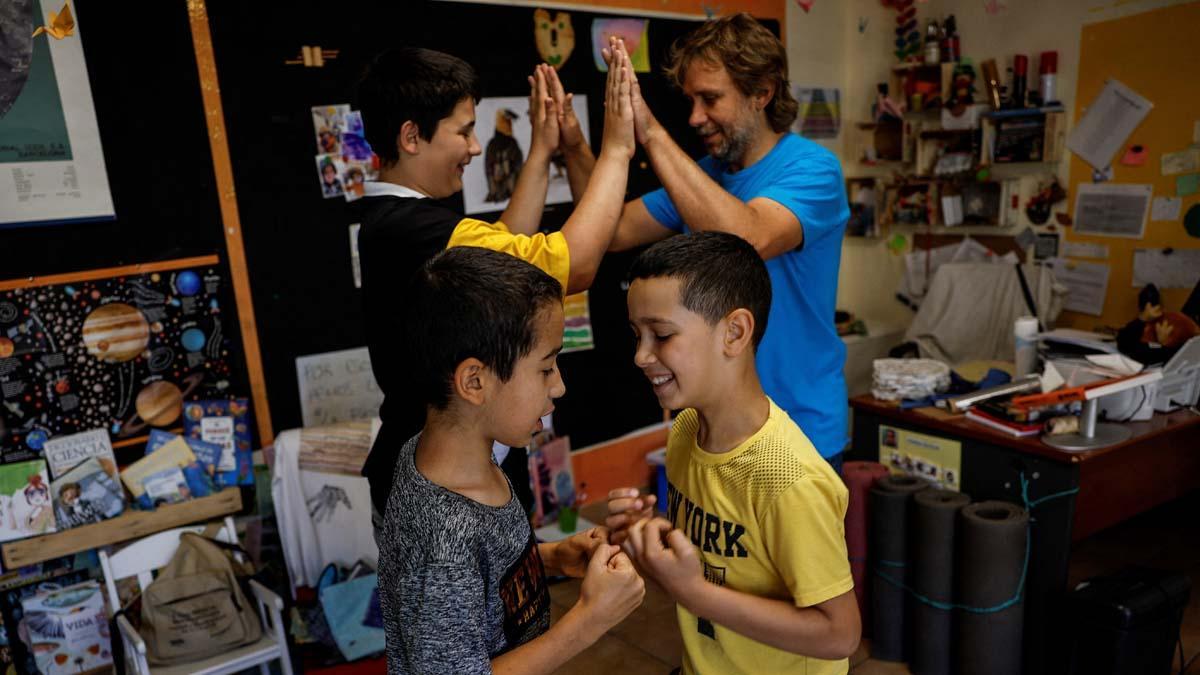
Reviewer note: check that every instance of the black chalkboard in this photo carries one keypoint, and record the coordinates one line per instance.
(151, 119)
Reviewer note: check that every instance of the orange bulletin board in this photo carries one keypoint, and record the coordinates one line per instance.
(1156, 54)
(763, 9)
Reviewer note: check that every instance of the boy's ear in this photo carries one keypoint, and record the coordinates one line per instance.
(406, 141)
(739, 331)
(471, 381)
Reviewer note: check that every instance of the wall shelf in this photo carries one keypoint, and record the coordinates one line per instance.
(129, 525)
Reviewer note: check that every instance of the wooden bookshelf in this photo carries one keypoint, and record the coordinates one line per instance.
(129, 525)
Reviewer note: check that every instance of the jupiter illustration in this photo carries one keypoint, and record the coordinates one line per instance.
(115, 333)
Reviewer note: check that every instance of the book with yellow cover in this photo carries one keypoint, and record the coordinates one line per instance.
(173, 454)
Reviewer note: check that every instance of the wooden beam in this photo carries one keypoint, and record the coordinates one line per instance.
(109, 272)
(127, 526)
(231, 223)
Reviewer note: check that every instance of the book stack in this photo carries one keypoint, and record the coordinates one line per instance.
(1003, 423)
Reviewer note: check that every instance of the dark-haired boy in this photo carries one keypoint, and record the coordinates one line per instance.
(757, 557)
(461, 577)
(418, 109)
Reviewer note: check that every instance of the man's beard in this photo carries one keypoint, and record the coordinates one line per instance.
(734, 144)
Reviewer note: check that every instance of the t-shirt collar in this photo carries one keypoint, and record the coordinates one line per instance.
(380, 189)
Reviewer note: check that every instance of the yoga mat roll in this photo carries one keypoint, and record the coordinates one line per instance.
(860, 477)
(934, 519)
(991, 558)
(890, 500)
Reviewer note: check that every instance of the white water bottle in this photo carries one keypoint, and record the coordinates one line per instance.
(1025, 331)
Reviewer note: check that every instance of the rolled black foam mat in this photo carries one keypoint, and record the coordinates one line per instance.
(931, 549)
(990, 560)
(890, 500)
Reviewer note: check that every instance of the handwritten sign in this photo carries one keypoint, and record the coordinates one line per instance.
(337, 387)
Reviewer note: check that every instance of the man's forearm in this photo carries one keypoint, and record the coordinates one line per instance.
(779, 623)
(523, 214)
(580, 162)
(701, 202)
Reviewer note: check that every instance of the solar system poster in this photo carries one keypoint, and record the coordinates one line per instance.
(119, 350)
(51, 162)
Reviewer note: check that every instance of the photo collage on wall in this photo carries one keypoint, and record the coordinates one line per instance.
(344, 159)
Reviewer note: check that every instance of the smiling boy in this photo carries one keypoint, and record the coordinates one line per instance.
(462, 581)
(418, 109)
(754, 549)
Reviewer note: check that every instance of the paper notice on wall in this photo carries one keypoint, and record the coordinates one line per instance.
(1087, 285)
(1184, 161)
(337, 387)
(1178, 269)
(1112, 210)
(1083, 249)
(355, 268)
(577, 324)
(1165, 208)
(1107, 124)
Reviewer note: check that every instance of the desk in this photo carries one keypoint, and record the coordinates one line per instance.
(1160, 462)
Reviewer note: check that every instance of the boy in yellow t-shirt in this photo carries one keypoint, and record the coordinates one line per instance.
(754, 549)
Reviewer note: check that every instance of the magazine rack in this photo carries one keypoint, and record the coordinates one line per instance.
(129, 525)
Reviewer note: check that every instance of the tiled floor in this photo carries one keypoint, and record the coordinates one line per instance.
(1165, 538)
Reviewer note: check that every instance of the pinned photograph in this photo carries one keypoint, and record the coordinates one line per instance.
(329, 173)
(502, 126)
(354, 178)
(329, 123)
(354, 140)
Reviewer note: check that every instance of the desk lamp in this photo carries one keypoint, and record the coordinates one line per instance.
(1092, 434)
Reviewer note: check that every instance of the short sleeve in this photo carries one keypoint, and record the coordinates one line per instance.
(804, 532)
(547, 252)
(438, 624)
(662, 209)
(811, 187)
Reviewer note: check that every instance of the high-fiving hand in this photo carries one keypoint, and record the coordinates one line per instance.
(643, 120)
(570, 132)
(543, 114)
(618, 105)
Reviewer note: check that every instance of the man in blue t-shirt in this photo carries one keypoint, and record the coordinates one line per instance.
(778, 191)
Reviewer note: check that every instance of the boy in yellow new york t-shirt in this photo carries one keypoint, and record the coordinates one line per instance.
(754, 550)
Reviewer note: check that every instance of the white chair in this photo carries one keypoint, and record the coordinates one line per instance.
(141, 558)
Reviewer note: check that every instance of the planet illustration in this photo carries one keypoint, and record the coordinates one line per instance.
(158, 404)
(187, 283)
(36, 439)
(6, 348)
(192, 339)
(115, 333)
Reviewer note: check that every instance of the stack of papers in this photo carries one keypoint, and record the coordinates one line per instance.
(896, 379)
(1078, 341)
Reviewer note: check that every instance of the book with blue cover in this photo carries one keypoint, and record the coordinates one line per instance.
(86, 494)
(227, 424)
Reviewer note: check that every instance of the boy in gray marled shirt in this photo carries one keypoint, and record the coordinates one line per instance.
(461, 579)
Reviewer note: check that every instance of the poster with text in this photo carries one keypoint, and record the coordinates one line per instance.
(502, 126)
(937, 460)
(119, 350)
(51, 163)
